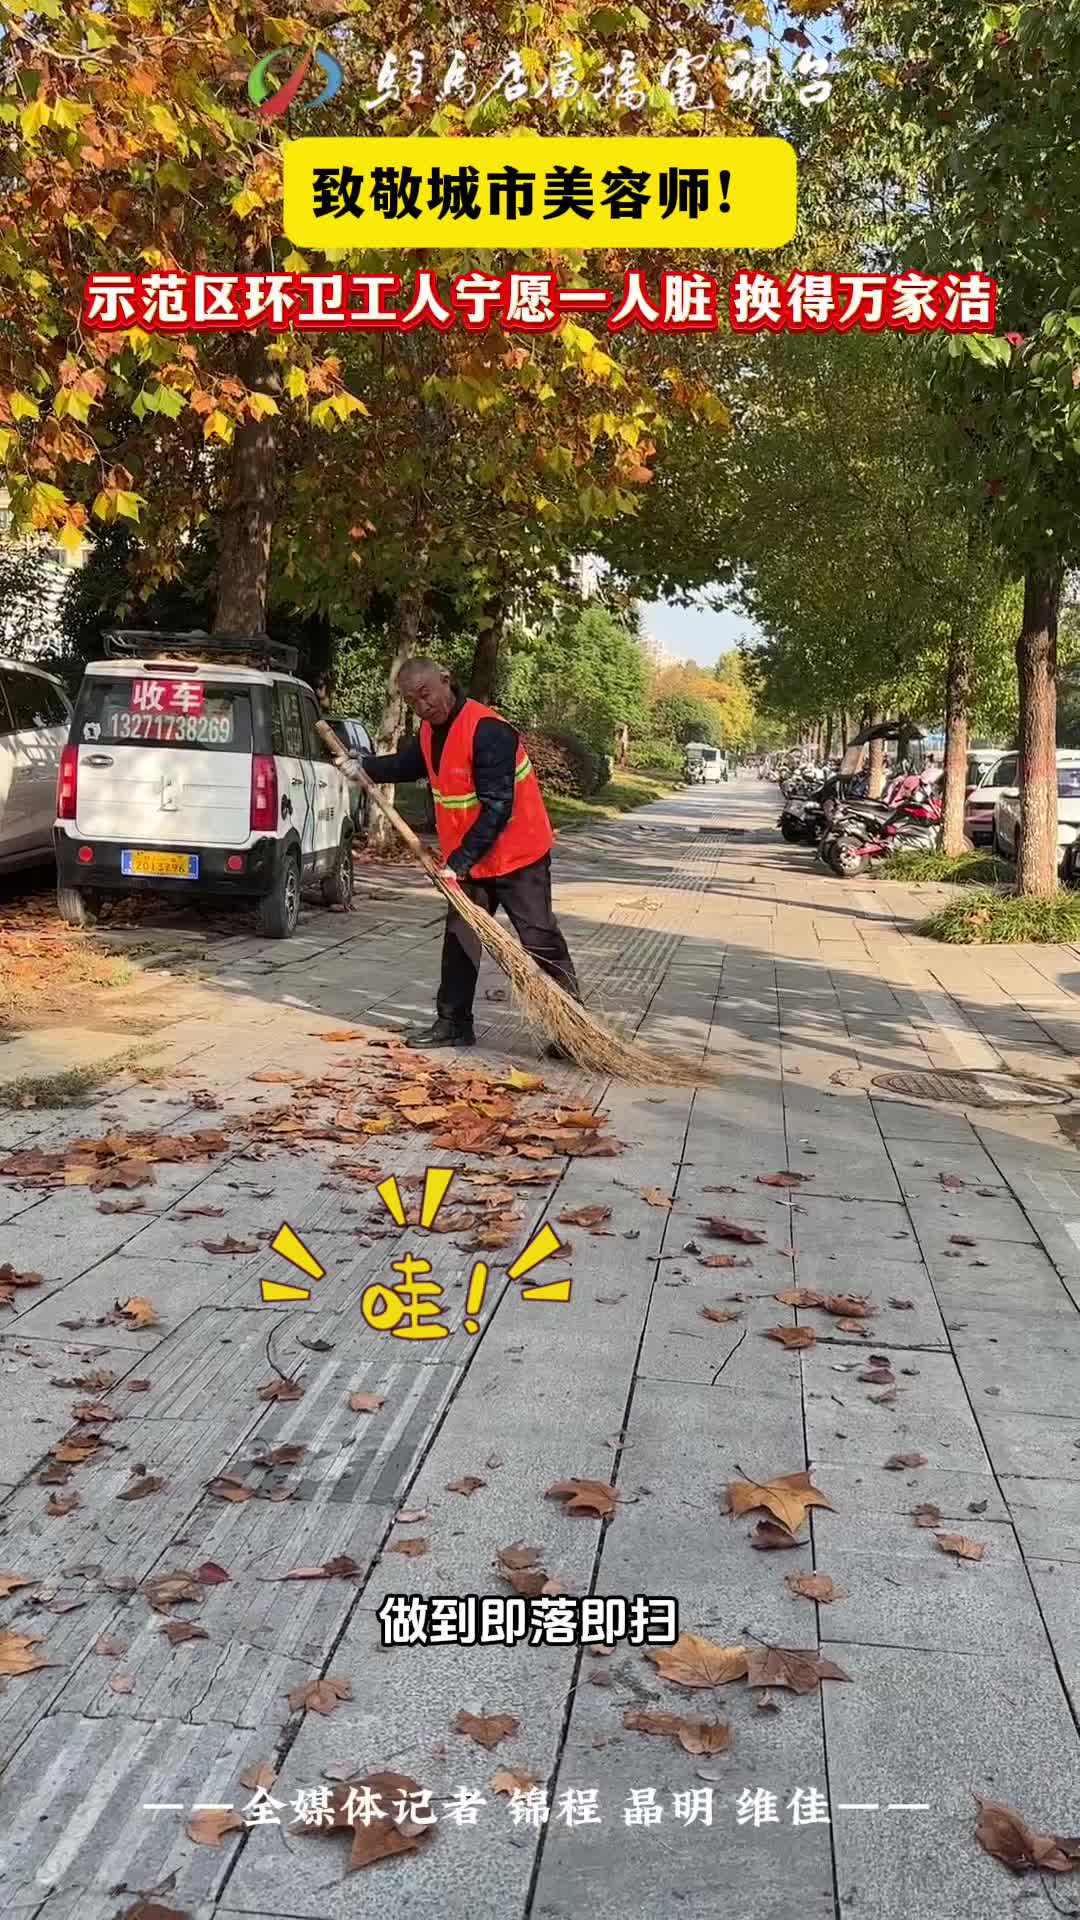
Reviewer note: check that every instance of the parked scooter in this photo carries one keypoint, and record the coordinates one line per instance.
(865, 832)
(802, 819)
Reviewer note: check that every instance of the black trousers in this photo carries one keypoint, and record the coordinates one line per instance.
(525, 898)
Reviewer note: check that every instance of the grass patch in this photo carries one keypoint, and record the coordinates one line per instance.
(622, 794)
(73, 1087)
(973, 869)
(988, 918)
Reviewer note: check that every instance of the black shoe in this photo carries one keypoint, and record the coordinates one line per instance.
(443, 1032)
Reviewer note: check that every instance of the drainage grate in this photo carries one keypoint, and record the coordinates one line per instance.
(729, 833)
(967, 1089)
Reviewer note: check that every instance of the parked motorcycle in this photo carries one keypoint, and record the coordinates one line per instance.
(862, 833)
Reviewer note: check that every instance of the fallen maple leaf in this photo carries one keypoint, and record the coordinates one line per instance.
(153, 1910)
(165, 1590)
(278, 1389)
(514, 1558)
(320, 1696)
(523, 1082)
(58, 1504)
(722, 1315)
(122, 1683)
(228, 1487)
(469, 1483)
(787, 1498)
(17, 1653)
(210, 1574)
(342, 1568)
(901, 1462)
(696, 1662)
(721, 1260)
(143, 1484)
(177, 1631)
(209, 1827)
(770, 1537)
(136, 1312)
(366, 1402)
(785, 1179)
(800, 1670)
(229, 1245)
(849, 1306)
(289, 1456)
(694, 1736)
(412, 1549)
(379, 1839)
(9, 1277)
(962, 1240)
(792, 1337)
(121, 1206)
(584, 1216)
(655, 1197)
(1009, 1839)
(9, 1582)
(963, 1549)
(720, 1229)
(951, 1181)
(814, 1586)
(508, 1782)
(112, 1649)
(486, 1729)
(585, 1496)
(926, 1515)
(799, 1297)
(338, 1035)
(259, 1777)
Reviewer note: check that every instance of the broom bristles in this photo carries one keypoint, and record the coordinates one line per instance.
(548, 1008)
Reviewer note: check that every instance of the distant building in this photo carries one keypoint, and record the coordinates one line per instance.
(29, 625)
(585, 571)
(656, 653)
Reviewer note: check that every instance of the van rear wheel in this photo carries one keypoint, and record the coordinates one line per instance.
(74, 907)
(279, 910)
(337, 888)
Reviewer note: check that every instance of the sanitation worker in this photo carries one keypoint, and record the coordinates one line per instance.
(494, 836)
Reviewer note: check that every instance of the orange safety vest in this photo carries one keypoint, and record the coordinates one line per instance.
(527, 835)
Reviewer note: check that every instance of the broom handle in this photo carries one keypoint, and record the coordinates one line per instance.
(358, 778)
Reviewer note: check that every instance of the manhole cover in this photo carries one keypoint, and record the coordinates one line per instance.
(962, 1089)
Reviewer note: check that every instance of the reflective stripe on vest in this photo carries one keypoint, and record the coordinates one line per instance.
(473, 799)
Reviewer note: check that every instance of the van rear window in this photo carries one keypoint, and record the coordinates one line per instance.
(162, 710)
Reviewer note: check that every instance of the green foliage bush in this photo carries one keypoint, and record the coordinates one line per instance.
(565, 763)
(660, 756)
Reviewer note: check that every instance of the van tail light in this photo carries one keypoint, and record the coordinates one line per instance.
(67, 784)
(264, 793)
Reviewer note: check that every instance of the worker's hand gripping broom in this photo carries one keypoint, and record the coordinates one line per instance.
(545, 1005)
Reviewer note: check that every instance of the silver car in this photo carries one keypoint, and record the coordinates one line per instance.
(35, 714)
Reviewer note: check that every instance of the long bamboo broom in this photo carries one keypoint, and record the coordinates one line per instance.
(546, 1006)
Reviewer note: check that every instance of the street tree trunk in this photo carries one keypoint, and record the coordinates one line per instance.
(953, 838)
(484, 673)
(1036, 667)
(827, 744)
(243, 571)
(381, 836)
(876, 779)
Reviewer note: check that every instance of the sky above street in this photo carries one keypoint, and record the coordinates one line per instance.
(696, 632)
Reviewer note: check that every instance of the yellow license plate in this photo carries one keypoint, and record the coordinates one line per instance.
(171, 866)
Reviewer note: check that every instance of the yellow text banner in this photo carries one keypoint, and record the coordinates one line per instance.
(526, 191)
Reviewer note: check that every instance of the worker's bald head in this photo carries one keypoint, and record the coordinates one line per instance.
(428, 689)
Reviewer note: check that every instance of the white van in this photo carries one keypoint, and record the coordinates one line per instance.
(193, 767)
(35, 714)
